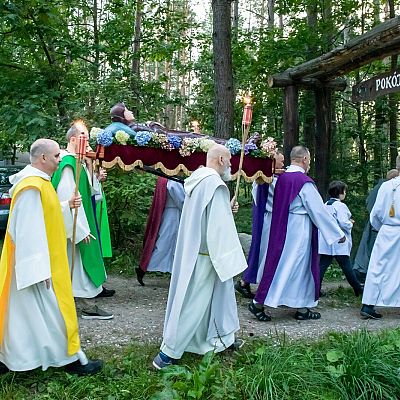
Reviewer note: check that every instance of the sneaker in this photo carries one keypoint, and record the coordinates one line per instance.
(244, 290)
(106, 292)
(161, 361)
(96, 313)
(92, 367)
(236, 345)
(368, 312)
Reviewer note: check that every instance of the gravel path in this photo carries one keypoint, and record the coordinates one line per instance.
(139, 315)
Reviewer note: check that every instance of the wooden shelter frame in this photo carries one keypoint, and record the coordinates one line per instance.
(322, 75)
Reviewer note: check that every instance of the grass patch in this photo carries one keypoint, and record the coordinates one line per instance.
(360, 366)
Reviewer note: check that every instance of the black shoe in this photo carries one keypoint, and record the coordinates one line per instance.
(258, 312)
(236, 345)
(368, 312)
(244, 290)
(106, 292)
(92, 367)
(140, 275)
(309, 314)
(3, 369)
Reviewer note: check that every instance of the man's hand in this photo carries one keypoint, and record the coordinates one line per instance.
(75, 201)
(234, 205)
(86, 239)
(102, 175)
(342, 240)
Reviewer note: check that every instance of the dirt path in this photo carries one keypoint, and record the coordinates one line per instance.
(139, 315)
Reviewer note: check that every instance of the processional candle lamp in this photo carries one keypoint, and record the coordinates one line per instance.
(80, 151)
(246, 122)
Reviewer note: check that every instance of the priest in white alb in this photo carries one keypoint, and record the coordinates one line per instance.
(382, 285)
(38, 322)
(201, 313)
(291, 272)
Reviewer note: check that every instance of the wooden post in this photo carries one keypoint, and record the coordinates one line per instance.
(323, 111)
(290, 120)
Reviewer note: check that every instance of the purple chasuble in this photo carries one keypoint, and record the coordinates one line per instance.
(287, 188)
(250, 274)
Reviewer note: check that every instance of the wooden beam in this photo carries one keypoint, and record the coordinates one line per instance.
(378, 43)
(290, 120)
(282, 80)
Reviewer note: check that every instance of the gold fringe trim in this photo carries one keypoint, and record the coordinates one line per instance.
(258, 176)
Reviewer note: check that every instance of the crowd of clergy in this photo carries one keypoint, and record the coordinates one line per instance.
(57, 237)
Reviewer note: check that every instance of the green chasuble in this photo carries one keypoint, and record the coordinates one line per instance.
(104, 228)
(92, 259)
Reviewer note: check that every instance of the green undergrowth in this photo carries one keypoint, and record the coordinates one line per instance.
(360, 365)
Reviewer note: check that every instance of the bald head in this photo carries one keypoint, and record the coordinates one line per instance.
(41, 147)
(298, 152)
(45, 155)
(300, 156)
(77, 127)
(218, 158)
(393, 173)
(216, 151)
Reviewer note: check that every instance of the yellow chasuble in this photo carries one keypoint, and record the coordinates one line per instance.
(57, 244)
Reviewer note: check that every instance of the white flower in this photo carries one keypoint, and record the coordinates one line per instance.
(206, 144)
(121, 137)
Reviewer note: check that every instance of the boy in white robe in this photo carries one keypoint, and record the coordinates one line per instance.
(201, 313)
(339, 251)
(382, 285)
(39, 326)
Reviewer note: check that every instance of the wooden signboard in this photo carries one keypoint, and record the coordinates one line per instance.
(377, 86)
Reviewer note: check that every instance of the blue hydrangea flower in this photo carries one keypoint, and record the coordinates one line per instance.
(105, 138)
(143, 138)
(234, 146)
(174, 141)
(248, 147)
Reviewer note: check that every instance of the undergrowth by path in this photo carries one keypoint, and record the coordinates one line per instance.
(361, 366)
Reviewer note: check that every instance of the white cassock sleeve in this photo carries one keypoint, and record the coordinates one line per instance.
(319, 215)
(223, 244)
(254, 188)
(177, 193)
(65, 190)
(377, 213)
(96, 188)
(342, 217)
(28, 232)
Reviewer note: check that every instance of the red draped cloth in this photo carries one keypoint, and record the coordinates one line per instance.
(153, 222)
